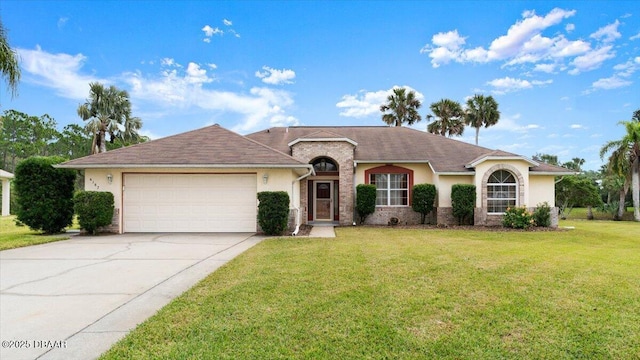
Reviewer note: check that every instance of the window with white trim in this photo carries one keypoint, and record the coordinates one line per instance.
(391, 189)
(501, 192)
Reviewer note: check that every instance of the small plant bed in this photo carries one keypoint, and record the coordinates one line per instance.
(465, 227)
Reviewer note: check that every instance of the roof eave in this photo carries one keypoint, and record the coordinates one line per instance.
(191, 166)
(323, 140)
(553, 173)
(501, 158)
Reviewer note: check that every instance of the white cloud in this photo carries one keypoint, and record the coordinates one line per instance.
(570, 27)
(183, 89)
(61, 72)
(212, 66)
(607, 33)
(366, 103)
(577, 126)
(609, 83)
(547, 68)
(522, 31)
(523, 43)
(507, 84)
(275, 76)
(635, 37)
(592, 60)
(227, 22)
(209, 31)
(62, 22)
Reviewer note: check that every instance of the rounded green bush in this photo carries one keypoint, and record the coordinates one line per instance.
(273, 212)
(94, 209)
(365, 200)
(45, 194)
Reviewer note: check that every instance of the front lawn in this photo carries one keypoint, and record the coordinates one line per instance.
(13, 236)
(394, 293)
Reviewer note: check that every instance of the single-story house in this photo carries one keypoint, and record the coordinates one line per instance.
(5, 178)
(206, 180)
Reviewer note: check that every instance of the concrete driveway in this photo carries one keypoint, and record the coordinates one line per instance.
(73, 299)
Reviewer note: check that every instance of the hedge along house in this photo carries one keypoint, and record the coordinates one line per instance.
(207, 180)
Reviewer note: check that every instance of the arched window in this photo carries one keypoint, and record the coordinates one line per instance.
(324, 165)
(501, 192)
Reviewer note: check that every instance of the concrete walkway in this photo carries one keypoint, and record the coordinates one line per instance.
(322, 231)
(74, 299)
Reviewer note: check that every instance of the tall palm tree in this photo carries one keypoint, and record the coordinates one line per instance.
(449, 116)
(481, 111)
(9, 67)
(128, 134)
(402, 107)
(106, 111)
(625, 159)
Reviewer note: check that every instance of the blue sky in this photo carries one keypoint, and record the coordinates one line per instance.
(564, 73)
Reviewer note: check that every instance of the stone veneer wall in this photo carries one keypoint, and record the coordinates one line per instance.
(342, 153)
(405, 215)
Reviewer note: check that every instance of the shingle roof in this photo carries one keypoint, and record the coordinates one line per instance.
(209, 146)
(395, 144)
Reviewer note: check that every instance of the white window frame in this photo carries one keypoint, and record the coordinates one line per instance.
(389, 189)
(511, 187)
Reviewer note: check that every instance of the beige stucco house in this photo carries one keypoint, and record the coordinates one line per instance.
(5, 179)
(206, 180)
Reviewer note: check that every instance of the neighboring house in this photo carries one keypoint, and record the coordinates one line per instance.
(206, 180)
(5, 179)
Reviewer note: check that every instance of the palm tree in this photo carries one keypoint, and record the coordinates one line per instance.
(402, 108)
(9, 67)
(129, 132)
(625, 159)
(481, 111)
(106, 111)
(449, 122)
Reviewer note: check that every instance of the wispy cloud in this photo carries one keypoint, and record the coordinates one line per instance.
(607, 33)
(508, 84)
(61, 72)
(275, 76)
(210, 31)
(365, 103)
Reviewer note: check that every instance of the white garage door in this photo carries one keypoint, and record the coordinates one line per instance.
(189, 203)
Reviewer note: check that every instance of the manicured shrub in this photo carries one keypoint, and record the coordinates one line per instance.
(422, 199)
(94, 209)
(542, 215)
(365, 200)
(273, 211)
(45, 194)
(463, 201)
(518, 218)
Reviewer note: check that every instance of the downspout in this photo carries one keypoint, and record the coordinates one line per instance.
(293, 184)
(355, 212)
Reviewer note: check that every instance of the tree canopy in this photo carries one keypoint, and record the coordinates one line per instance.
(9, 67)
(108, 110)
(449, 118)
(481, 111)
(401, 107)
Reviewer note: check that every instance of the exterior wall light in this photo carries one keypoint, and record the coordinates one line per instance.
(109, 178)
(265, 179)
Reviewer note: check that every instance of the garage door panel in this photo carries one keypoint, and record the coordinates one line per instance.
(189, 203)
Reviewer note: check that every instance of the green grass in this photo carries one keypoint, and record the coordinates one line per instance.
(581, 214)
(13, 236)
(393, 293)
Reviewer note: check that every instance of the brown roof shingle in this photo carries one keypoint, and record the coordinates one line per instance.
(393, 144)
(209, 146)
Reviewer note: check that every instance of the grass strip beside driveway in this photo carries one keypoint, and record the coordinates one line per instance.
(13, 236)
(395, 293)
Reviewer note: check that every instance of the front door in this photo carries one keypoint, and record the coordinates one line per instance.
(323, 194)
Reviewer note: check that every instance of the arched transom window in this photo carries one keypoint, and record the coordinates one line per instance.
(501, 192)
(324, 165)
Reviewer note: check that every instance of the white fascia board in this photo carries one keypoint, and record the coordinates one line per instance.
(501, 158)
(547, 173)
(190, 166)
(392, 162)
(466, 173)
(322, 139)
